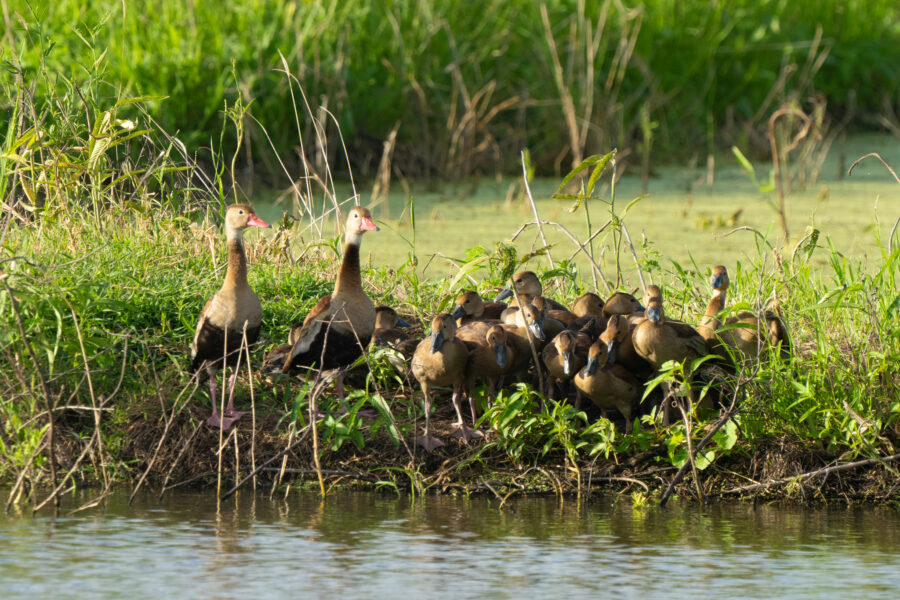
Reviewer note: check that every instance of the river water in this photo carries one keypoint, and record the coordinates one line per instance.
(370, 545)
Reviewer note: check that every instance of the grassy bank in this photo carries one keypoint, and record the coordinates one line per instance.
(108, 303)
(111, 242)
(465, 92)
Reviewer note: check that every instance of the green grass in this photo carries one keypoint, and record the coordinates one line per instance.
(468, 91)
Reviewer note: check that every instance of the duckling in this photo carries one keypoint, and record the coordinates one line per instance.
(619, 328)
(386, 323)
(550, 325)
(607, 384)
(623, 303)
(564, 356)
(271, 369)
(587, 306)
(659, 340)
(440, 359)
(471, 307)
(744, 332)
(222, 322)
(526, 286)
(491, 354)
(528, 330)
(346, 318)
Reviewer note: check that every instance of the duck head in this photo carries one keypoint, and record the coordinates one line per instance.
(719, 279)
(621, 303)
(239, 217)
(530, 317)
(565, 347)
(387, 318)
(443, 328)
(525, 283)
(597, 357)
(469, 304)
(496, 339)
(588, 305)
(615, 333)
(359, 221)
(653, 300)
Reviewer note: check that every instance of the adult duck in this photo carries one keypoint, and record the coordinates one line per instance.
(607, 384)
(232, 311)
(744, 332)
(334, 332)
(440, 359)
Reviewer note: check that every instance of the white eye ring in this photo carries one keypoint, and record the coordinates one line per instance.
(241, 211)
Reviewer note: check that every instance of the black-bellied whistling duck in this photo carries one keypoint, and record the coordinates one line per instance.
(491, 355)
(525, 287)
(440, 359)
(347, 315)
(607, 384)
(564, 356)
(744, 331)
(471, 307)
(222, 322)
(659, 340)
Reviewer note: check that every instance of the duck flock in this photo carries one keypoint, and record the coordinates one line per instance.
(606, 350)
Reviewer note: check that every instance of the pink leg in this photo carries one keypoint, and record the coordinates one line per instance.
(427, 441)
(231, 415)
(461, 430)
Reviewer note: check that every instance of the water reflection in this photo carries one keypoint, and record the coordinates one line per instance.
(373, 545)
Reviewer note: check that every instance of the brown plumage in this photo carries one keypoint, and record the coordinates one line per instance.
(587, 306)
(618, 328)
(388, 327)
(659, 340)
(527, 330)
(440, 359)
(623, 303)
(491, 355)
(525, 288)
(744, 332)
(549, 324)
(564, 356)
(471, 307)
(608, 385)
(334, 331)
(222, 322)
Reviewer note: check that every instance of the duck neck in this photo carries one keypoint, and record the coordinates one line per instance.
(236, 274)
(349, 278)
(716, 305)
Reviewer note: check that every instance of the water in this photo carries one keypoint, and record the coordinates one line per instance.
(368, 545)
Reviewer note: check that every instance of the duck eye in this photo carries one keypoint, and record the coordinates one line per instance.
(240, 212)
